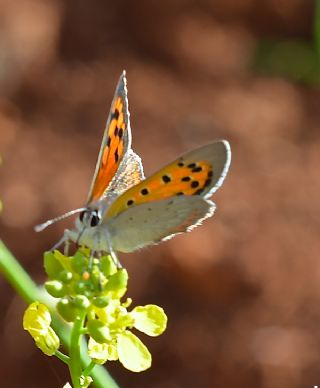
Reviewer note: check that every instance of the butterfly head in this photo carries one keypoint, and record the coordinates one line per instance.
(90, 217)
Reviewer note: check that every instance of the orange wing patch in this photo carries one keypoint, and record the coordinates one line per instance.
(113, 149)
(179, 178)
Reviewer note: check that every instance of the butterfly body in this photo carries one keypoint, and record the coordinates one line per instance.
(125, 211)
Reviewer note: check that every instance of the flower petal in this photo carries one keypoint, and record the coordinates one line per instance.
(149, 319)
(133, 354)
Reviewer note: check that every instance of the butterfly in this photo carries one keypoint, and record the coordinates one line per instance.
(126, 211)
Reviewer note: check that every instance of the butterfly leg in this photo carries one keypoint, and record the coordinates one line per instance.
(64, 240)
(92, 253)
(114, 257)
(112, 252)
(66, 247)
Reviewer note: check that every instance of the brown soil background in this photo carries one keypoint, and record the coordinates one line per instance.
(243, 291)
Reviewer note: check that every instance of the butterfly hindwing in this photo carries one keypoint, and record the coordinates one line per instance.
(153, 222)
(115, 143)
(197, 173)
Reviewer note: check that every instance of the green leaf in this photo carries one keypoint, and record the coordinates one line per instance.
(133, 354)
(149, 319)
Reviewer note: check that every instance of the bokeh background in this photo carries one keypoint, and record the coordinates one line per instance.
(243, 291)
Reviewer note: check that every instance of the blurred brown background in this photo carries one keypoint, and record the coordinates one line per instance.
(243, 291)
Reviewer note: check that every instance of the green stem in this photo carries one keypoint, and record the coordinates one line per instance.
(29, 292)
(89, 369)
(75, 361)
(63, 357)
(17, 276)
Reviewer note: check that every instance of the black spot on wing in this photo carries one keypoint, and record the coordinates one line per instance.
(191, 165)
(186, 179)
(197, 169)
(144, 191)
(108, 141)
(120, 134)
(194, 184)
(115, 114)
(198, 192)
(116, 155)
(166, 179)
(130, 202)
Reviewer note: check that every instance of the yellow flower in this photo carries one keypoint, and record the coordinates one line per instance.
(36, 321)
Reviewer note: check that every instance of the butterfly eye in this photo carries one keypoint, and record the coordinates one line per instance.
(95, 218)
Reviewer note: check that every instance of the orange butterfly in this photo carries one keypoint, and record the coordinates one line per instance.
(124, 211)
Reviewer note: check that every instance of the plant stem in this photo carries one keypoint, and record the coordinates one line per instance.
(63, 357)
(17, 276)
(89, 369)
(75, 361)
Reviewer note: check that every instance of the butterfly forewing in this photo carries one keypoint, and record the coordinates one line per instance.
(199, 172)
(115, 143)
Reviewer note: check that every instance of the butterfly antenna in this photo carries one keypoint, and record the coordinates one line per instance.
(41, 227)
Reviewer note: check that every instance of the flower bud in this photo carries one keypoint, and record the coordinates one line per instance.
(101, 301)
(67, 309)
(66, 276)
(80, 287)
(85, 381)
(98, 331)
(55, 288)
(82, 302)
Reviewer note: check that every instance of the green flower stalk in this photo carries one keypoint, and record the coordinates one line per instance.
(89, 294)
